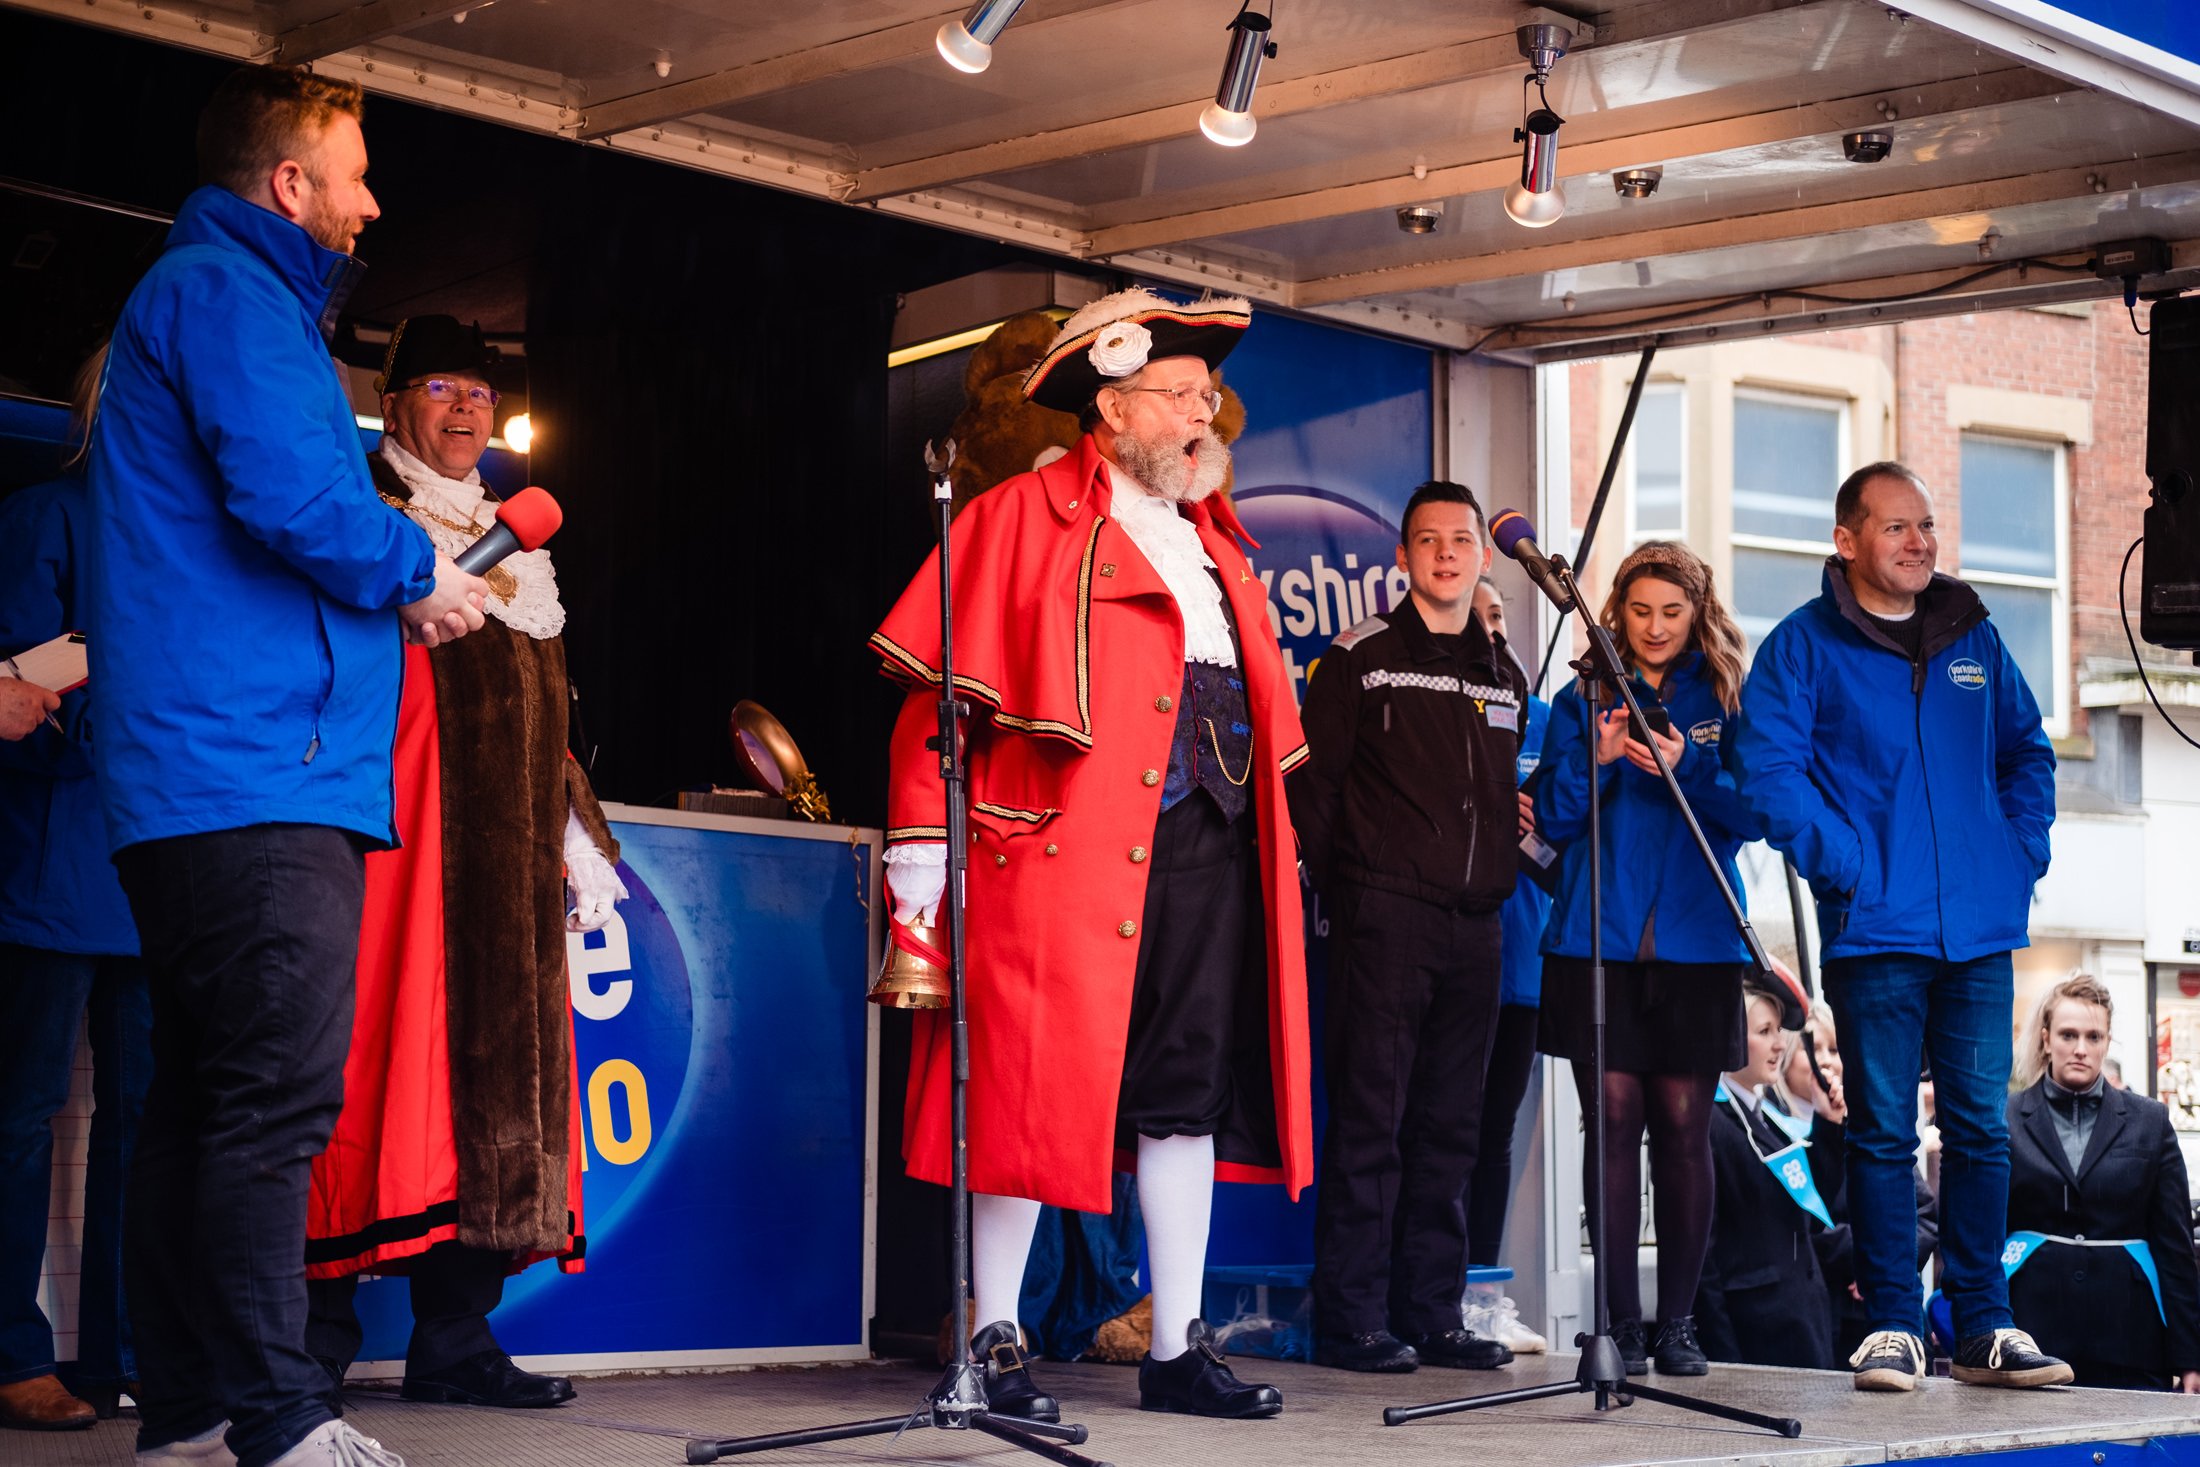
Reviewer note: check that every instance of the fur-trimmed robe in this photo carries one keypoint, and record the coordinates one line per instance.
(461, 1116)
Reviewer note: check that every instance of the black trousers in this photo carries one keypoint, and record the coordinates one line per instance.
(1412, 1004)
(454, 1288)
(1489, 1195)
(250, 939)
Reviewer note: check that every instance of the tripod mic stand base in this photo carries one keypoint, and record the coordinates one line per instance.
(1603, 1372)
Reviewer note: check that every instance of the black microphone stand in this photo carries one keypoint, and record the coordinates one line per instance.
(1602, 1370)
(958, 1401)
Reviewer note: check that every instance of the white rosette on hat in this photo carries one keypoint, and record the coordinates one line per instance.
(1118, 335)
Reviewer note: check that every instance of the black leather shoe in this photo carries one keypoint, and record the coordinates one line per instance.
(1378, 1352)
(1197, 1383)
(1676, 1350)
(1009, 1388)
(1461, 1349)
(487, 1379)
(1633, 1345)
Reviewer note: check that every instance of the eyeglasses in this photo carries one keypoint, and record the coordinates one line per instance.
(442, 389)
(1182, 398)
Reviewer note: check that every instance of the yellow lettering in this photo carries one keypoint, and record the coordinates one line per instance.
(624, 1075)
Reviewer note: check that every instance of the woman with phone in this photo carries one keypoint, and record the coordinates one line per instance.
(1673, 962)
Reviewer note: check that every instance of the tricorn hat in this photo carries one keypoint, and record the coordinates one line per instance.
(1784, 989)
(424, 344)
(1116, 336)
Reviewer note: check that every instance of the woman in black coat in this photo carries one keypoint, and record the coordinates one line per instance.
(1763, 1297)
(2093, 1163)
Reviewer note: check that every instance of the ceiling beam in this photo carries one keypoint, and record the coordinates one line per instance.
(1601, 143)
(799, 68)
(1417, 71)
(359, 25)
(1940, 201)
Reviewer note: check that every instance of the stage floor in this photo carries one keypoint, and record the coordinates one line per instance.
(1330, 1417)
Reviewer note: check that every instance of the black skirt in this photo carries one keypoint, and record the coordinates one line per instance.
(1659, 1018)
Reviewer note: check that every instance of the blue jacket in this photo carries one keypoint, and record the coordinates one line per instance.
(57, 890)
(1659, 902)
(1914, 798)
(1529, 907)
(243, 571)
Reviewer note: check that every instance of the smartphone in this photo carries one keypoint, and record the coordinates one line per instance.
(1652, 711)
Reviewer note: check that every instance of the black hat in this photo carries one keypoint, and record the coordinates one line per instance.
(1785, 990)
(424, 344)
(1116, 336)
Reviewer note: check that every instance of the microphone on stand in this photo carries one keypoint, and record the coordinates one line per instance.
(1515, 536)
(524, 522)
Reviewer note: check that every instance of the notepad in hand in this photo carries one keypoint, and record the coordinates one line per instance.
(59, 664)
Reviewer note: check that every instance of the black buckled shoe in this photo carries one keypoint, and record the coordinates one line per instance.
(1378, 1352)
(1634, 1345)
(487, 1379)
(2006, 1357)
(1675, 1350)
(1197, 1383)
(1462, 1349)
(1009, 1388)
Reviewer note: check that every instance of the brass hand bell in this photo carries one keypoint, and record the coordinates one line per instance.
(908, 980)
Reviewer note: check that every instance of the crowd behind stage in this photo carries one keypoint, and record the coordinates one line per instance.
(302, 854)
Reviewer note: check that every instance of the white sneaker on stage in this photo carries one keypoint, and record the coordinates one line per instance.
(1503, 1325)
(207, 1449)
(336, 1444)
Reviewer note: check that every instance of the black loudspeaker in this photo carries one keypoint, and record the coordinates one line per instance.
(2169, 606)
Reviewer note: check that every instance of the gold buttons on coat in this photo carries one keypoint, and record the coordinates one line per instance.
(1053, 849)
(1138, 854)
(1164, 703)
(1127, 929)
(1000, 860)
(1150, 778)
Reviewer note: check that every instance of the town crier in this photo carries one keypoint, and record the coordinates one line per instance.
(457, 1159)
(1136, 985)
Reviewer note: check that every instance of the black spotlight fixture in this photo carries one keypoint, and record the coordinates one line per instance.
(967, 44)
(1228, 119)
(1867, 147)
(1535, 201)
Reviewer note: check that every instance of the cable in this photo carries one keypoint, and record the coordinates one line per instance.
(2122, 576)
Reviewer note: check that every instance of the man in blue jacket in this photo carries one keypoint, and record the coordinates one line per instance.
(248, 594)
(1892, 749)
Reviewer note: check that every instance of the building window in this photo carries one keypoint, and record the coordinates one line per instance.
(2014, 552)
(1658, 463)
(1788, 460)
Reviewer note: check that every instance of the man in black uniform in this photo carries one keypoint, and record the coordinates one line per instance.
(1408, 823)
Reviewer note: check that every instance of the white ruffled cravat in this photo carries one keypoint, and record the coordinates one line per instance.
(1171, 544)
(534, 609)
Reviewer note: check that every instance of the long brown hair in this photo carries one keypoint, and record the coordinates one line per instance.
(2077, 988)
(84, 403)
(1713, 632)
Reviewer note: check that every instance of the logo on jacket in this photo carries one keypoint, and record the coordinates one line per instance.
(1966, 672)
(1706, 734)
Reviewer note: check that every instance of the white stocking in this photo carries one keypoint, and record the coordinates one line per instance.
(1000, 1244)
(1176, 1192)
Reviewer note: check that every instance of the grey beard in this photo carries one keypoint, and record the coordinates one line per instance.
(1161, 466)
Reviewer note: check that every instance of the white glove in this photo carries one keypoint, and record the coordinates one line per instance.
(916, 877)
(592, 886)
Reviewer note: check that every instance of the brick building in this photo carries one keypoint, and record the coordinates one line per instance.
(2030, 428)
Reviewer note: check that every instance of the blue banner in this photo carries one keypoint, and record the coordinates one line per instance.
(725, 1066)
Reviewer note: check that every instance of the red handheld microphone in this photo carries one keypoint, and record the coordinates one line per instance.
(524, 522)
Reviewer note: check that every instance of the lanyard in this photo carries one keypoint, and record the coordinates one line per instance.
(1786, 1165)
(2023, 1245)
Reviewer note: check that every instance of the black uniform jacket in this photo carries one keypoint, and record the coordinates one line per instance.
(2093, 1304)
(1410, 785)
(1763, 1298)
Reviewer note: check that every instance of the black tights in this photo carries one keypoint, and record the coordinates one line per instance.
(1677, 1111)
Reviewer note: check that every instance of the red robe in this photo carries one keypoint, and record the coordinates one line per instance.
(1072, 648)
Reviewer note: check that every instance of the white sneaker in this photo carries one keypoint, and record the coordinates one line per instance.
(337, 1444)
(1504, 1326)
(207, 1449)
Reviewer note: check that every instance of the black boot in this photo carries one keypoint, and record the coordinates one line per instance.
(1633, 1345)
(1197, 1383)
(1009, 1388)
(486, 1379)
(1676, 1350)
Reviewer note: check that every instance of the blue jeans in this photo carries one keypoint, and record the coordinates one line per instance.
(1893, 1009)
(43, 996)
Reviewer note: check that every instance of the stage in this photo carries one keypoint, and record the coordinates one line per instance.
(1330, 1417)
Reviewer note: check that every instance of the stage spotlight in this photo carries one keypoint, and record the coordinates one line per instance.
(1228, 119)
(1420, 218)
(1867, 147)
(1535, 201)
(519, 433)
(967, 44)
(1637, 183)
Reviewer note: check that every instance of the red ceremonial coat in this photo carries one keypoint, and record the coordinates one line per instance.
(1072, 648)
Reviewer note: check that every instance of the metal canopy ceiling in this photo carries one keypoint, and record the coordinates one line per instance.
(2016, 139)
